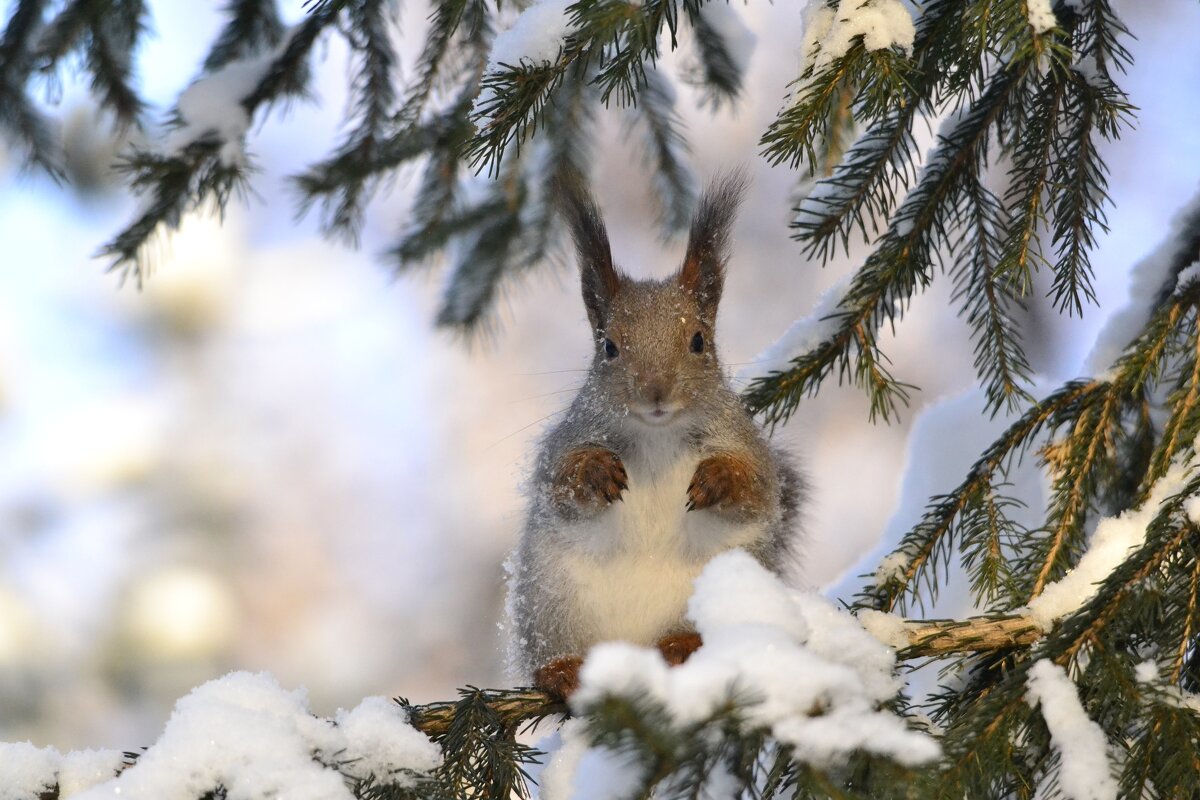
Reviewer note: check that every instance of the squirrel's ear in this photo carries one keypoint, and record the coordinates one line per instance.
(703, 270)
(600, 278)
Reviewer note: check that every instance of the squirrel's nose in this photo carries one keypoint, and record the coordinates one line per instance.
(656, 392)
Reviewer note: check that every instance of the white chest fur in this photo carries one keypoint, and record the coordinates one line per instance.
(633, 565)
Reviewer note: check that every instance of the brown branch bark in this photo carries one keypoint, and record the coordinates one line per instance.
(940, 637)
(513, 707)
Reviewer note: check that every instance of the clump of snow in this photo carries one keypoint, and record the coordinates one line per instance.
(83, 769)
(892, 567)
(578, 771)
(27, 771)
(1089, 70)
(1041, 16)
(1112, 542)
(1149, 277)
(378, 740)
(1146, 672)
(212, 105)
(887, 628)
(802, 336)
(1084, 770)
(535, 38)
(246, 733)
(829, 34)
(1187, 275)
(1191, 507)
(815, 677)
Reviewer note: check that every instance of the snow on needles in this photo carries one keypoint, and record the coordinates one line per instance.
(1084, 771)
(245, 733)
(212, 106)
(829, 33)
(815, 678)
(1041, 16)
(27, 771)
(1112, 542)
(535, 38)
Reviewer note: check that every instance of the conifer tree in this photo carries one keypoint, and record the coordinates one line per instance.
(1086, 641)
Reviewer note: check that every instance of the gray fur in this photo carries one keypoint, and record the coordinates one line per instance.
(652, 323)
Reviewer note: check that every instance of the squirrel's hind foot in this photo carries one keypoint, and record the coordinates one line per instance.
(560, 677)
(677, 647)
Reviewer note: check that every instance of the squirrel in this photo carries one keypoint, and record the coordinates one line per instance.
(656, 467)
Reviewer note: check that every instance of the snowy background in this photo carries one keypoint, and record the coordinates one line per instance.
(269, 459)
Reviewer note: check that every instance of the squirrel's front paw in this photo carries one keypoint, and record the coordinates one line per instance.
(592, 477)
(724, 482)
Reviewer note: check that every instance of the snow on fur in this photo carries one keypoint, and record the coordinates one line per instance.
(246, 733)
(1084, 771)
(817, 679)
(829, 33)
(27, 771)
(1112, 542)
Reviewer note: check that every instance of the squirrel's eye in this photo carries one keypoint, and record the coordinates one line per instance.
(698, 343)
(610, 348)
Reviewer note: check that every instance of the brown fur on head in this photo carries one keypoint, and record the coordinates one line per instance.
(655, 340)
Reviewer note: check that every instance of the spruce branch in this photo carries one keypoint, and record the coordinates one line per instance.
(665, 153)
(945, 68)
(477, 734)
(928, 545)
(20, 121)
(987, 299)
(174, 184)
(1075, 474)
(346, 180)
(718, 75)
(253, 26)
(612, 41)
(1080, 173)
(900, 265)
(106, 34)
(878, 79)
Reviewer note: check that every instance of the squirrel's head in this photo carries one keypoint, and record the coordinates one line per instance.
(655, 342)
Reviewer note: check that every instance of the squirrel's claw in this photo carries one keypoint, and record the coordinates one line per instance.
(591, 476)
(723, 482)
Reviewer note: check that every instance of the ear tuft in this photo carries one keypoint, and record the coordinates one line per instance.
(599, 277)
(703, 270)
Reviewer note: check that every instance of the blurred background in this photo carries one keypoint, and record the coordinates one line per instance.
(270, 459)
